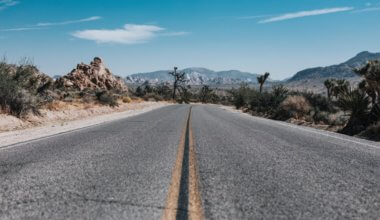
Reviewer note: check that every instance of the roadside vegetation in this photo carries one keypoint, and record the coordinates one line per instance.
(346, 109)
(24, 91)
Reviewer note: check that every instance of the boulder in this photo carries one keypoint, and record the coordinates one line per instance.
(94, 76)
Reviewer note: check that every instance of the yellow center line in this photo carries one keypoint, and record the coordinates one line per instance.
(184, 200)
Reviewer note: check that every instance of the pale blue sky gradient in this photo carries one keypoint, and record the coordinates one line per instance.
(281, 37)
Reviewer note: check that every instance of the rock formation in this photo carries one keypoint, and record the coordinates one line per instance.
(93, 76)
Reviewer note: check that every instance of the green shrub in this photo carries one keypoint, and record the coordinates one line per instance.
(319, 102)
(268, 103)
(164, 91)
(372, 132)
(241, 97)
(152, 97)
(106, 98)
(320, 116)
(14, 98)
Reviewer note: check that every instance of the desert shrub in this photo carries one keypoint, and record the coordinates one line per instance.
(280, 91)
(320, 116)
(214, 98)
(372, 132)
(18, 102)
(239, 100)
(14, 98)
(374, 114)
(268, 103)
(153, 92)
(224, 100)
(152, 97)
(126, 99)
(185, 94)
(261, 102)
(205, 94)
(139, 92)
(319, 102)
(241, 97)
(295, 106)
(106, 98)
(164, 91)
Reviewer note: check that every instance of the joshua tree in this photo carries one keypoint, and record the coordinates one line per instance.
(371, 92)
(371, 85)
(329, 84)
(356, 103)
(341, 87)
(205, 93)
(139, 92)
(261, 80)
(371, 74)
(179, 78)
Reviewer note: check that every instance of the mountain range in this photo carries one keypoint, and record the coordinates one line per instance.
(311, 77)
(195, 76)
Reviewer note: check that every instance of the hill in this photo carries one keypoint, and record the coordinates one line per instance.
(343, 70)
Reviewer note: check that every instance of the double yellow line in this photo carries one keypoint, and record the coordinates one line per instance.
(184, 200)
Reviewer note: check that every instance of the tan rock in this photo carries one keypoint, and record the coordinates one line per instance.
(93, 76)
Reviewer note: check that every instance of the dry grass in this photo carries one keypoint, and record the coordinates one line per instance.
(137, 100)
(76, 104)
(298, 106)
(55, 105)
(126, 99)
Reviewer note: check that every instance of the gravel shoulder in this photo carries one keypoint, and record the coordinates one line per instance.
(319, 130)
(13, 130)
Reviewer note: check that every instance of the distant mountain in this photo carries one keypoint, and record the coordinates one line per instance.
(343, 70)
(195, 76)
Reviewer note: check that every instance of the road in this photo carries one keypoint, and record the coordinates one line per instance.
(206, 162)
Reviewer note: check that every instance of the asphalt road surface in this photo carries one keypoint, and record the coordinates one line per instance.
(177, 163)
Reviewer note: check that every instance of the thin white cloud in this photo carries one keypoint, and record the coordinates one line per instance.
(129, 34)
(305, 14)
(45, 25)
(366, 10)
(21, 29)
(93, 18)
(7, 3)
(252, 17)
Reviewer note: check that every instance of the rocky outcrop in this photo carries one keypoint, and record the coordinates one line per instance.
(94, 76)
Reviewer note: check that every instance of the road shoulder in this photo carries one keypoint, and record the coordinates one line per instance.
(311, 130)
(36, 133)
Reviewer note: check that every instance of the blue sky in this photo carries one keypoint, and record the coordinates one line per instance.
(281, 37)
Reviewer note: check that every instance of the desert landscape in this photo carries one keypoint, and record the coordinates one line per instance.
(196, 109)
